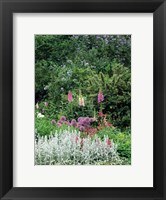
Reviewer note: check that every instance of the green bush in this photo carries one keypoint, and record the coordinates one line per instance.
(86, 63)
(122, 139)
(118, 101)
(116, 90)
(45, 127)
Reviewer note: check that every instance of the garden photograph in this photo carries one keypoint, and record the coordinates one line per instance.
(82, 100)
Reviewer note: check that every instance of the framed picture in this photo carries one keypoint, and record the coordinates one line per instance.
(82, 99)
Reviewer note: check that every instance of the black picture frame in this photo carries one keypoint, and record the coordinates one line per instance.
(7, 8)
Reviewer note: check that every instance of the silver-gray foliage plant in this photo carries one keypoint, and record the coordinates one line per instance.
(68, 148)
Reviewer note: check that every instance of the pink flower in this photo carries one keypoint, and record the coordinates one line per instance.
(101, 114)
(70, 97)
(108, 142)
(108, 124)
(67, 123)
(63, 118)
(59, 124)
(100, 97)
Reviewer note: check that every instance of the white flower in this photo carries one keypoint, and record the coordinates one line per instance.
(81, 100)
(46, 87)
(37, 106)
(39, 115)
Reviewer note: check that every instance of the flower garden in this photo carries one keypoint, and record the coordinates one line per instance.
(82, 100)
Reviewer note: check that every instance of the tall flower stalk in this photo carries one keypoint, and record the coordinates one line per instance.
(100, 99)
(70, 99)
(81, 100)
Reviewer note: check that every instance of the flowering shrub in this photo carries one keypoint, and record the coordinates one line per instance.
(68, 148)
(83, 123)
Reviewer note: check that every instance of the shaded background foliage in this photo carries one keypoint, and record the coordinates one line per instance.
(86, 63)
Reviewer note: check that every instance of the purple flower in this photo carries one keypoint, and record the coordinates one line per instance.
(81, 128)
(63, 118)
(100, 97)
(59, 124)
(80, 123)
(74, 123)
(80, 119)
(91, 119)
(84, 123)
(53, 121)
(67, 122)
(86, 120)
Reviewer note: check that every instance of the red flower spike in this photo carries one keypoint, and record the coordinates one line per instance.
(77, 139)
(101, 114)
(108, 142)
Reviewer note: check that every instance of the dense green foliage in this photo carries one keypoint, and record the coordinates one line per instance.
(45, 128)
(84, 64)
(83, 83)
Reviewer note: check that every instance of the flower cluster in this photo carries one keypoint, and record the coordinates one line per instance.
(83, 123)
(68, 148)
